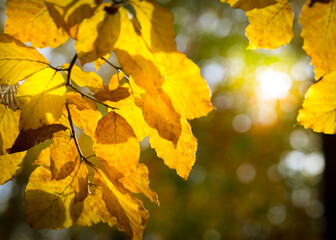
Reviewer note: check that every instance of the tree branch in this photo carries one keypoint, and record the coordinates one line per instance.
(119, 69)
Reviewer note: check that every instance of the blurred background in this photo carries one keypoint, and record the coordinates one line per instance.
(257, 174)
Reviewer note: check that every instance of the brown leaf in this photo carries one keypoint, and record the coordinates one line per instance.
(31, 137)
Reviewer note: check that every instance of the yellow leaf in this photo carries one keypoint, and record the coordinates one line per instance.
(41, 99)
(247, 5)
(95, 211)
(30, 21)
(80, 183)
(63, 155)
(97, 35)
(50, 203)
(10, 165)
(116, 145)
(9, 128)
(171, 72)
(115, 81)
(31, 137)
(181, 157)
(91, 80)
(17, 61)
(318, 109)
(319, 34)
(84, 113)
(270, 27)
(138, 182)
(129, 211)
(100, 62)
(155, 25)
(43, 158)
(70, 13)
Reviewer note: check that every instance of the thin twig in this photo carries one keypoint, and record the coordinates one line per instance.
(119, 69)
(73, 135)
(72, 63)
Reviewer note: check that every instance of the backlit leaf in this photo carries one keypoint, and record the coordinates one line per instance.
(30, 21)
(100, 62)
(91, 80)
(41, 98)
(97, 35)
(9, 127)
(247, 5)
(63, 155)
(50, 203)
(270, 27)
(116, 145)
(319, 34)
(17, 61)
(138, 182)
(129, 211)
(68, 14)
(180, 157)
(10, 165)
(30, 137)
(80, 183)
(318, 109)
(84, 113)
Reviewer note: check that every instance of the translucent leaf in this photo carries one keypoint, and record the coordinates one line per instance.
(116, 145)
(41, 98)
(318, 109)
(170, 72)
(84, 113)
(91, 80)
(97, 35)
(115, 81)
(319, 34)
(17, 61)
(181, 157)
(247, 5)
(138, 182)
(270, 27)
(30, 21)
(129, 211)
(10, 165)
(100, 62)
(9, 128)
(30, 137)
(50, 203)
(155, 25)
(68, 14)
(63, 155)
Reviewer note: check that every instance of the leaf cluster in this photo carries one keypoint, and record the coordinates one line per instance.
(154, 93)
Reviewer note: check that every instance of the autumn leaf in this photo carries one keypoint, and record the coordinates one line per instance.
(41, 98)
(84, 112)
(9, 128)
(8, 95)
(100, 62)
(247, 5)
(91, 80)
(30, 137)
(270, 27)
(116, 145)
(138, 182)
(95, 38)
(17, 61)
(318, 109)
(27, 19)
(319, 34)
(10, 165)
(50, 203)
(68, 14)
(129, 211)
(63, 155)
